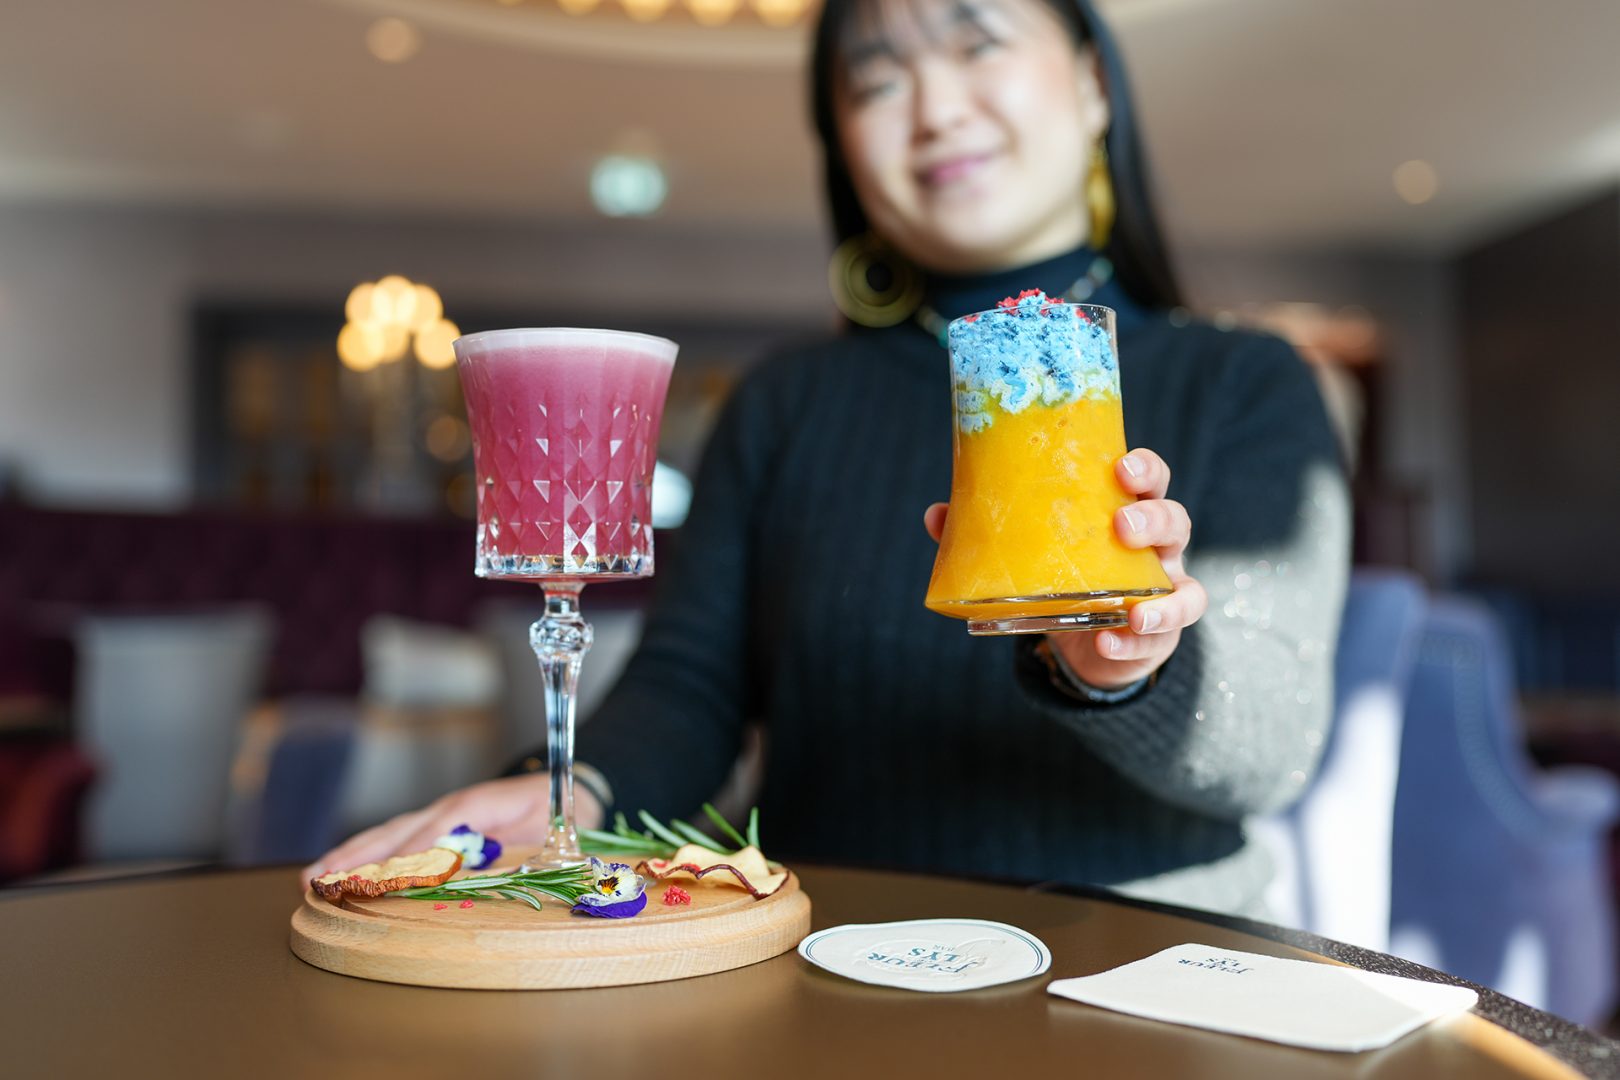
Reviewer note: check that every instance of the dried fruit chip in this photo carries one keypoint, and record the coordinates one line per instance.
(432, 867)
(746, 869)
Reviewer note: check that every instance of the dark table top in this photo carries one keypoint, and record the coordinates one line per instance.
(191, 974)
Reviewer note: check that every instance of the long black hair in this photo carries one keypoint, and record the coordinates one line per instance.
(1135, 246)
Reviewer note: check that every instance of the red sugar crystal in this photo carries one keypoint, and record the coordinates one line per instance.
(676, 895)
(466, 903)
(970, 318)
(440, 907)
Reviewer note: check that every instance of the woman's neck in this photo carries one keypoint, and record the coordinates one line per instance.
(955, 295)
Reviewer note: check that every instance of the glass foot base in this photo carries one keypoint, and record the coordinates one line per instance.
(541, 861)
(1041, 624)
(1110, 609)
(559, 852)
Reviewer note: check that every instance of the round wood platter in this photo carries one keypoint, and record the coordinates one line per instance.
(505, 945)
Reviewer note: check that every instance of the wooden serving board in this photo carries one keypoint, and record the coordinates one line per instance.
(505, 945)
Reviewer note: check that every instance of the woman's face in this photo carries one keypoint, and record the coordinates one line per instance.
(967, 127)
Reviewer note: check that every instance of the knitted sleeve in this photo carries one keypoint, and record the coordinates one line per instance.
(1235, 721)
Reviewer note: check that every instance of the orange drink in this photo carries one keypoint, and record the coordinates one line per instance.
(1029, 545)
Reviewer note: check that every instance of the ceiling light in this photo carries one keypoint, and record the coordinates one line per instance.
(779, 12)
(628, 185)
(393, 41)
(713, 12)
(360, 346)
(435, 344)
(1416, 181)
(645, 10)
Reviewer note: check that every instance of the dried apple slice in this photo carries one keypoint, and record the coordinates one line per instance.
(746, 869)
(432, 867)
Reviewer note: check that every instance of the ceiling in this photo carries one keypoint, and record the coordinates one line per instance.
(1273, 123)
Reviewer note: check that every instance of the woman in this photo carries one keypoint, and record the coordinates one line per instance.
(970, 146)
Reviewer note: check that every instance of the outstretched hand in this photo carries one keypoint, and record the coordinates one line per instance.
(1110, 659)
(513, 810)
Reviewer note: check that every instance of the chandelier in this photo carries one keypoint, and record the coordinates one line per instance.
(758, 34)
(387, 318)
(777, 13)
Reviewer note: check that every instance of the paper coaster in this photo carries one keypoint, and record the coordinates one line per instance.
(932, 955)
(1295, 1002)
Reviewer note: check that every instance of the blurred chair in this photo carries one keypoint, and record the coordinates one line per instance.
(1501, 872)
(293, 814)
(159, 705)
(505, 625)
(43, 781)
(1332, 847)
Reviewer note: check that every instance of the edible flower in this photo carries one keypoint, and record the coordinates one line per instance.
(477, 850)
(616, 891)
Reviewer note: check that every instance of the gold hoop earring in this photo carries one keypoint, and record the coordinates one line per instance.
(1100, 197)
(869, 302)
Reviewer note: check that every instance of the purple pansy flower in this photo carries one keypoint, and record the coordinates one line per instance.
(477, 850)
(617, 892)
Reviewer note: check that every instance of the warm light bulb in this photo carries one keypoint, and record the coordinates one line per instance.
(578, 7)
(427, 309)
(1416, 181)
(358, 306)
(394, 302)
(360, 346)
(712, 12)
(393, 41)
(779, 12)
(447, 438)
(396, 339)
(645, 10)
(435, 345)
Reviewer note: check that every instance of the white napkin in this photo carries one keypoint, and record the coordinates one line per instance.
(932, 955)
(1296, 1002)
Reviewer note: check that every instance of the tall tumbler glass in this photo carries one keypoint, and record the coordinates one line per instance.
(565, 437)
(1029, 544)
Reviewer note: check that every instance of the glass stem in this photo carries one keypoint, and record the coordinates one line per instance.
(560, 640)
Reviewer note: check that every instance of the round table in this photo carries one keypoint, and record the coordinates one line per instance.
(191, 974)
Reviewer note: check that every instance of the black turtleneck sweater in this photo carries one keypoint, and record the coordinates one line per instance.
(794, 599)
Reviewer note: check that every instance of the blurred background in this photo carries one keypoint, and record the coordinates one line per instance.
(237, 614)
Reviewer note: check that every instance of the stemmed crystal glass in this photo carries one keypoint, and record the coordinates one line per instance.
(565, 437)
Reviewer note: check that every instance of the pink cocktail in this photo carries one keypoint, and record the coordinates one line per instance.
(565, 440)
(565, 437)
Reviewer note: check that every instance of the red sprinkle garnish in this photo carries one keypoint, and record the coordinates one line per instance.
(676, 895)
(970, 318)
(1007, 303)
(1027, 293)
(466, 903)
(440, 907)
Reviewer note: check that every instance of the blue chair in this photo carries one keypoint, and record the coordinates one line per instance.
(295, 816)
(1501, 869)
(1331, 849)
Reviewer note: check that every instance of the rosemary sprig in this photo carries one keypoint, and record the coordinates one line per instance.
(725, 826)
(659, 841)
(567, 884)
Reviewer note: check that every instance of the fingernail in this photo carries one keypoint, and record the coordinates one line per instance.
(1112, 643)
(1150, 621)
(1133, 466)
(1135, 519)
